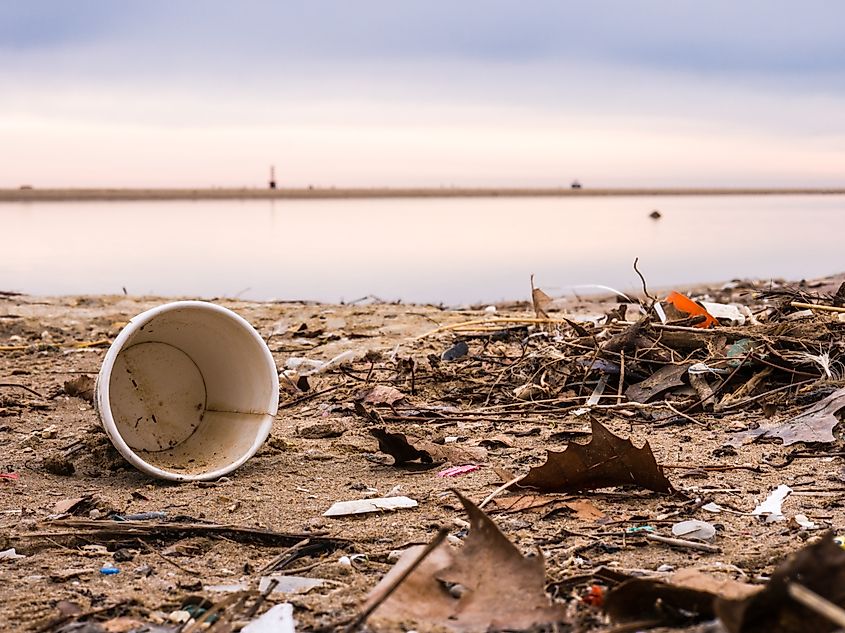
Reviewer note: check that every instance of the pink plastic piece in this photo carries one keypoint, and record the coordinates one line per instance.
(454, 471)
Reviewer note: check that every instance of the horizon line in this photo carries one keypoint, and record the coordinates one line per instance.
(81, 194)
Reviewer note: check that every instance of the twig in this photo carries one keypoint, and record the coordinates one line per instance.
(435, 542)
(167, 560)
(677, 542)
(24, 387)
(621, 377)
(814, 601)
(642, 279)
(815, 306)
(498, 490)
(287, 552)
(490, 321)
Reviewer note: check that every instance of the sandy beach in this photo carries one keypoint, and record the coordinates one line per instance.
(60, 468)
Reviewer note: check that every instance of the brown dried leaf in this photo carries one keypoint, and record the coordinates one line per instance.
(502, 588)
(820, 567)
(526, 503)
(662, 380)
(404, 450)
(540, 300)
(397, 446)
(816, 424)
(383, 394)
(585, 510)
(689, 597)
(606, 461)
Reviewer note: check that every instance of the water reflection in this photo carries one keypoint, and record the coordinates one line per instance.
(450, 250)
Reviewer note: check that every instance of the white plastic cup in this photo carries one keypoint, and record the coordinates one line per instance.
(188, 391)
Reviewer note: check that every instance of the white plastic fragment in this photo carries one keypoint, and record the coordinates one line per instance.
(362, 506)
(307, 366)
(279, 619)
(770, 509)
(661, 314)
(11, 554)
(804, 522)
(712, 507)
(725, 312)
(703, 368)
(694, 529)
(284, 584)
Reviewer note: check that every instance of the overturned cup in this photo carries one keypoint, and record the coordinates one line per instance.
(188, 391)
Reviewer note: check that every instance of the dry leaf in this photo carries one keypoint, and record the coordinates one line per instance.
(816, 424)
(689, 596)
(606, 461)
(397, 446)
(383, 394)
(403, 450)
(820, 567)
(663, 379)
(524, 503)
(502, 588)
(540, 300)
(585, 510)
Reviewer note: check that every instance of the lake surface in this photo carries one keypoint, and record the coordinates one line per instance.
(456, 251)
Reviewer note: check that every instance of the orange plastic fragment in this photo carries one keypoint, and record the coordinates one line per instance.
(685, 304)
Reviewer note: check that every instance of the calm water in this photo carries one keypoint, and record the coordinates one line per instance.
(431, 250)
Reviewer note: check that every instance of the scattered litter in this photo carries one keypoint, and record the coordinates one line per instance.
(10, 554)
(454, 471)
(279, 619)
(10, 476)
(770, 510)
(109, 570)
(362, 506)
(694, 529)
(802, 521)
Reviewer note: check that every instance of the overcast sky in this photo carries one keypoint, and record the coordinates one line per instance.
(387, 92)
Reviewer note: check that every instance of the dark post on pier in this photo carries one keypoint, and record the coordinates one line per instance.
(272, 176)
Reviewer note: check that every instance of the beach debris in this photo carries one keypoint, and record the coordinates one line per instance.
(363, 506)
(655, 214)
(540, 301)
(694, 529)
(685, 597)
(770, 509)
(815, 424)
(10, 477)
(665, 378)
(499, 587)
(279, 619)
(81, 387)
(803, 522)
(10, 554)
(606, 461)
(429, 454)
(309, 367)
(686, 306)
(64, 506)
(455, 471)
(819, 567)
(727, 314)
(383, 394)
(109, 570)
(280, 584)
(397, 446)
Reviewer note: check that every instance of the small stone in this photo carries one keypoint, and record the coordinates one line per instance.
(179, 616)
(48, 433)
(123, 554)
